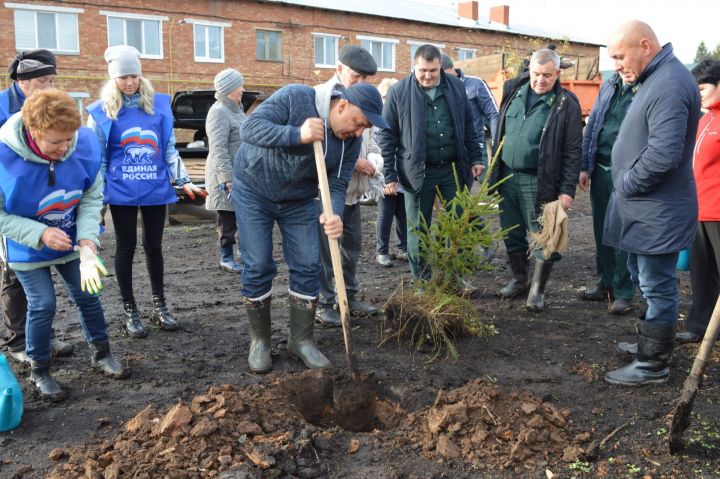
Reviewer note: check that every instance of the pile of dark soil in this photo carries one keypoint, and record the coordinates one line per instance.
(276, 430)
(489, 428)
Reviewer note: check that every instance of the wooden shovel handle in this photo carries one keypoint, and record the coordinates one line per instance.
(711, 335)
(336, 258)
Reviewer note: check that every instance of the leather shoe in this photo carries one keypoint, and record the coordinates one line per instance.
(60, 348)
(685, 337)
(359, 309)
(598, 293)
(327, 315)
(620, 306)
(401, 255)
(384, 261)
(465, 288)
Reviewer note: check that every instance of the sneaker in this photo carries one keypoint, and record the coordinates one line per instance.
(384, 261)
(401, 255)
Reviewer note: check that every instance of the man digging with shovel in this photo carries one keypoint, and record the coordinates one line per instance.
(275, 181)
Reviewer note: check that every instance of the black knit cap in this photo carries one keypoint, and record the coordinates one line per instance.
(42, 62)
(358, 59)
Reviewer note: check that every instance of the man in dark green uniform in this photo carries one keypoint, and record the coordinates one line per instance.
(542, 127)
(614, 280)
(431, 131)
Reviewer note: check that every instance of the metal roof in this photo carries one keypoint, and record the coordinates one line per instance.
(445, 14)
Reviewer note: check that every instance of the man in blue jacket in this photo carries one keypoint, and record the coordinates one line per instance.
(482, 102)
(602, 128)
(653, 210)
(275, 181)
(430, 130)
(30, 71)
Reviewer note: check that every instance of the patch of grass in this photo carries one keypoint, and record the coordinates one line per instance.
(581, 466)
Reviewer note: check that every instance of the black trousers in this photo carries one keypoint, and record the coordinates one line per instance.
(704, 275)
(226, 227)
(125, 224)
(14, 305)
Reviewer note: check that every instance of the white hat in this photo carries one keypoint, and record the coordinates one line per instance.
(123, 60)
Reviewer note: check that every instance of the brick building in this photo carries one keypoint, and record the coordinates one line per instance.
(184, 43)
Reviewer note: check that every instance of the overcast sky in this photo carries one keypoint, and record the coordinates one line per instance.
(684, 23)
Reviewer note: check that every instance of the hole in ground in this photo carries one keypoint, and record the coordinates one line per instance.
(326, 399)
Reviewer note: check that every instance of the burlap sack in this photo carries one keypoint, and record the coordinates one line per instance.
(553, 234)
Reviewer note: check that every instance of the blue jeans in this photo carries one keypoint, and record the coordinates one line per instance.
(388, 208)
(40, 292)
(297, 221)
(656, 278)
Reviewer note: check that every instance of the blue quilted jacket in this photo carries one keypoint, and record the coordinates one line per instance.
(275, 165)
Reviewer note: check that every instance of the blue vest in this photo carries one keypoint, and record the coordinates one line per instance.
(137, 174)
(24, 184)
(11, 101)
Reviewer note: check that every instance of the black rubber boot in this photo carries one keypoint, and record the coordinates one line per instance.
(536, 296)
(227, 260)
(300, 342)
(160, 315)
(652, 363)
(103, 360)
(44, 382)
(628, 350)
(258, 313)
(519, 284)
(131, 321)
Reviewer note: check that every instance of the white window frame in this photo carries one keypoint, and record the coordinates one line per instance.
(417, 43)
(470, 50)
(337, 42)
(207, 23)
(281, 46)
(79, 96)
(49, 9)
(137, 16)
(392, 41)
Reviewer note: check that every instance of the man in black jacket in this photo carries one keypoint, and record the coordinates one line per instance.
(542, 126)
(431, 129)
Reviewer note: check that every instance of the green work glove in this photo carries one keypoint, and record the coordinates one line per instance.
(91, 265)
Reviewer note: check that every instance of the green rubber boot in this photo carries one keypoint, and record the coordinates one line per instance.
(259, 317)
(300, 342)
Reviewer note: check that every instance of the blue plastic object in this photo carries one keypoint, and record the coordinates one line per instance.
(11, 398)
(683, 262)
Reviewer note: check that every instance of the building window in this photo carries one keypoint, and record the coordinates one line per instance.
(268, 45)
(382, 50)
(209, 40)
(465, 53)
(143, 32)
(79, 96)
(52, 28)
(414, 45)
(326, 47)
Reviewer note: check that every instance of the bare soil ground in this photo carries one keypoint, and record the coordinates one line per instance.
(522, 403)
